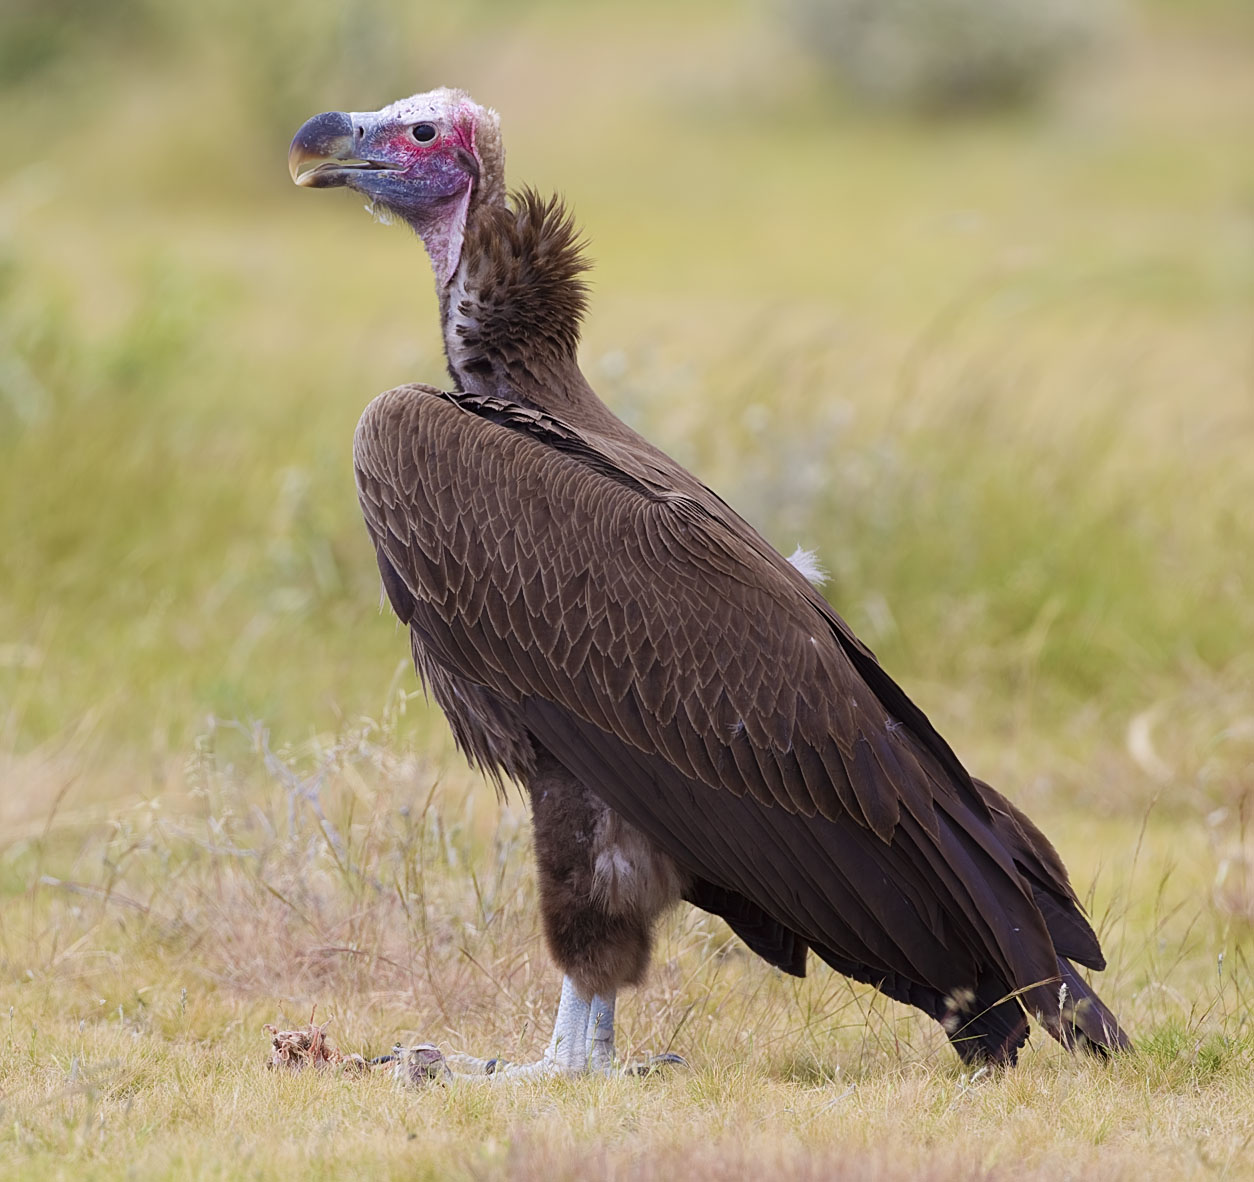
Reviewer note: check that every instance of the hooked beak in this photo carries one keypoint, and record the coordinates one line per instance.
(375, 154)
(332, 140)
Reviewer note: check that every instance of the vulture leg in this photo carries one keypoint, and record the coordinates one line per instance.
(599, 1046)
(602, 884)
(582, 1044)
(583, 1040)
(602, 887)
(578, 1045)
(572, 1050)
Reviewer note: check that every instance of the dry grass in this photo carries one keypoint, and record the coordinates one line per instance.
(152, 942)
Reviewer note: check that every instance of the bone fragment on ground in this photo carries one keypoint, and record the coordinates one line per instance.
(294, 1050)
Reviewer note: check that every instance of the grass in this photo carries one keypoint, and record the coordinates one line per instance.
(146, 952)
(998, 373)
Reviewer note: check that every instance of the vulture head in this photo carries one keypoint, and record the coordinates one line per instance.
(427, 159)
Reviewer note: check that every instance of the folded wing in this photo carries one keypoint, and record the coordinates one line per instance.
(666, 655)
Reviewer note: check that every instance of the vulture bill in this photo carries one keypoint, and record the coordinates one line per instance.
(689, 717)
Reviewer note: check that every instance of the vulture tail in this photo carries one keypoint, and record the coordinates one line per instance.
(1085, 1019)
(1082, 1019)
(989, 1026)
(986, 1025)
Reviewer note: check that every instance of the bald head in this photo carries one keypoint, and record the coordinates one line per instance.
(428, 159)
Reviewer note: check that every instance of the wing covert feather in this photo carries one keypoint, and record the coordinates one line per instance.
(688, 642)
(563, 574)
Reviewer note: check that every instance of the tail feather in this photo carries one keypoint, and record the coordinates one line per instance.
(1085, 1019)
(1080, 1017)
(985, 1025)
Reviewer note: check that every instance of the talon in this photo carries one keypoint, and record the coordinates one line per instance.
(420, 1065)
(655, 1063)
(668, 1059)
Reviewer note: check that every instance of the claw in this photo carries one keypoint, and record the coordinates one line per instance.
(654, 1064)
(420, 1065)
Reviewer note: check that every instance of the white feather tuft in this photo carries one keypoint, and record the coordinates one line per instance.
(807, 562)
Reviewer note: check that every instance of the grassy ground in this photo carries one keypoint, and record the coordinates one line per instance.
(999, 373)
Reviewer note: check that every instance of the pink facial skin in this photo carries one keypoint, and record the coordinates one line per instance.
(428, 183)
(432, 186)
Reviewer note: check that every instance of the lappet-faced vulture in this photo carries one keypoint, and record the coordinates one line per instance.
(689, 716)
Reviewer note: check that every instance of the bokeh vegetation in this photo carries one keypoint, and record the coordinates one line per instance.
(998, 371)
(947, 56)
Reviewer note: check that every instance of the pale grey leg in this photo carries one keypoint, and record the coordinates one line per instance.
(568, 1047)
(568, 1051)
(582, 1044)
(599, 1050)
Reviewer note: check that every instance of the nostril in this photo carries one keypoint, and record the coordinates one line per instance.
(360, 132)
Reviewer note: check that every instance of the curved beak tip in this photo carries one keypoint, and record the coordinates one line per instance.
(296, 156)
(328, 136)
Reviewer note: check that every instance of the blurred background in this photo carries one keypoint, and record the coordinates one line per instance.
(956, 292)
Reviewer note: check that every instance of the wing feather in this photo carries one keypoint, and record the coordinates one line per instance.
(660, 648)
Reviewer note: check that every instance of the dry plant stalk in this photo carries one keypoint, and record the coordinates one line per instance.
(295, 1050)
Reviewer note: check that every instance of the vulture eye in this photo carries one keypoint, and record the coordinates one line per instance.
(424, 133)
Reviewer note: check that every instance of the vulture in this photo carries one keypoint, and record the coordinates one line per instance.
(689, 717)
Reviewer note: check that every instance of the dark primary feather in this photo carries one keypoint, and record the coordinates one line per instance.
(570, 589)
